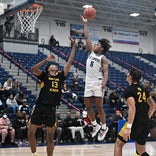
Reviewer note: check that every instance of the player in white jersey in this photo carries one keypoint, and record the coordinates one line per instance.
(96, 80)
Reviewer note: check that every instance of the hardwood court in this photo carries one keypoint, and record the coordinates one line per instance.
(79, 150)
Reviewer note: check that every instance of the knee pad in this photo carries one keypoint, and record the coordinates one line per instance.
(145, 154)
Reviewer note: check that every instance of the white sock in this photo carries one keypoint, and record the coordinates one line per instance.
(34, 154)
(104, 126)
(94, 123)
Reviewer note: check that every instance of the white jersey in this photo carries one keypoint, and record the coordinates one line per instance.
(94, 67)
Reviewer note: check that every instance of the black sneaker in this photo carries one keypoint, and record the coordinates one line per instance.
(14, 144)
(3, 144)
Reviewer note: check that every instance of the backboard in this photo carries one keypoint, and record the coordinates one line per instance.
(15, 5)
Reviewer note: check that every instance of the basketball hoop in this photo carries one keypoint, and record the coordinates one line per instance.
(28, 18)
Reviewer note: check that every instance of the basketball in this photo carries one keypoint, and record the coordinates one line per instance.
(89, 13)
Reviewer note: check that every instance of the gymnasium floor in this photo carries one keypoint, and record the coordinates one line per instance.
(79, 150)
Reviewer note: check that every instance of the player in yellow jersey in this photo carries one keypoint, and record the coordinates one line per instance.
(141, 107)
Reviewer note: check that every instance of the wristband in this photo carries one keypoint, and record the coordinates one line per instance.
(129, 125)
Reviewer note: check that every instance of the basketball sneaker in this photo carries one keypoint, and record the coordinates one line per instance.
(102, 134)
(35, 154)
(95, 130)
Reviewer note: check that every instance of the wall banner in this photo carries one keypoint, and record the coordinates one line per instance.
(125, 37)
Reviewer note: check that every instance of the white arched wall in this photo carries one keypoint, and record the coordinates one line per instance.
(154, 39)
(47, 27)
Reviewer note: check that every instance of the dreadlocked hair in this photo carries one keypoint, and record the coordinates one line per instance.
(105, 44)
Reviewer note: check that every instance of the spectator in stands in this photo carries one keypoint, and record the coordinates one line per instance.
(12, 104)
(2, 105)
(5, 129)
(50, 95)
(76, 85)
(67, 93)
(66, 133)
(7, 87)
(147, 86)
(53, 42)
(8, 25)
(15, 87)
(2, 99)
(21, 97)
(1, 87)
(20, 126)
(25, 108)
(114, 100)
(80, 44)
(78, 125)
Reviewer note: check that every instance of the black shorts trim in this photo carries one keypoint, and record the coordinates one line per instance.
(121, 138)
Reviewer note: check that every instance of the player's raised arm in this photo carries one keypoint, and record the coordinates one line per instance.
(86, 33)
(35, 69)
(71, 57)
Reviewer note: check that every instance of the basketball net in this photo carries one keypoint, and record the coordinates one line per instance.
(28, 18)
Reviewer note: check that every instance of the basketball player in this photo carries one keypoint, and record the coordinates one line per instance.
(141, 107)
(49, 97)
(96, 80)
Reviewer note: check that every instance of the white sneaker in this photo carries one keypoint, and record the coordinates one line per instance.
(35, 154)
(102, 134)
(95, 130)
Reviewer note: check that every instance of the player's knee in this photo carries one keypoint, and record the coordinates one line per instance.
(145, 154)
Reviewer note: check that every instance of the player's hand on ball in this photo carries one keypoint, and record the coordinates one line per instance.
(84, 20)
(51, 57)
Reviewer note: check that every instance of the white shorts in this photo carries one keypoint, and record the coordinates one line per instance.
(93, 89)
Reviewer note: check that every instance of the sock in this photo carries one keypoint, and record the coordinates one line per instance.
(34, 154)
(94, 123)
(104, 126)
(136, 154)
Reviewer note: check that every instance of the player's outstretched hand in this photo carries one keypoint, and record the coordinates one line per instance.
(73, 40)
(83, 19)
(51, 57)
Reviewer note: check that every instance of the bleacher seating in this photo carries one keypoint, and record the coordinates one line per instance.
(29, 60)
(150, 57)
(128, 60)
(116, 77)
(4, 75)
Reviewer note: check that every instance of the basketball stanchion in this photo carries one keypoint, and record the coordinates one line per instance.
(28, 17)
